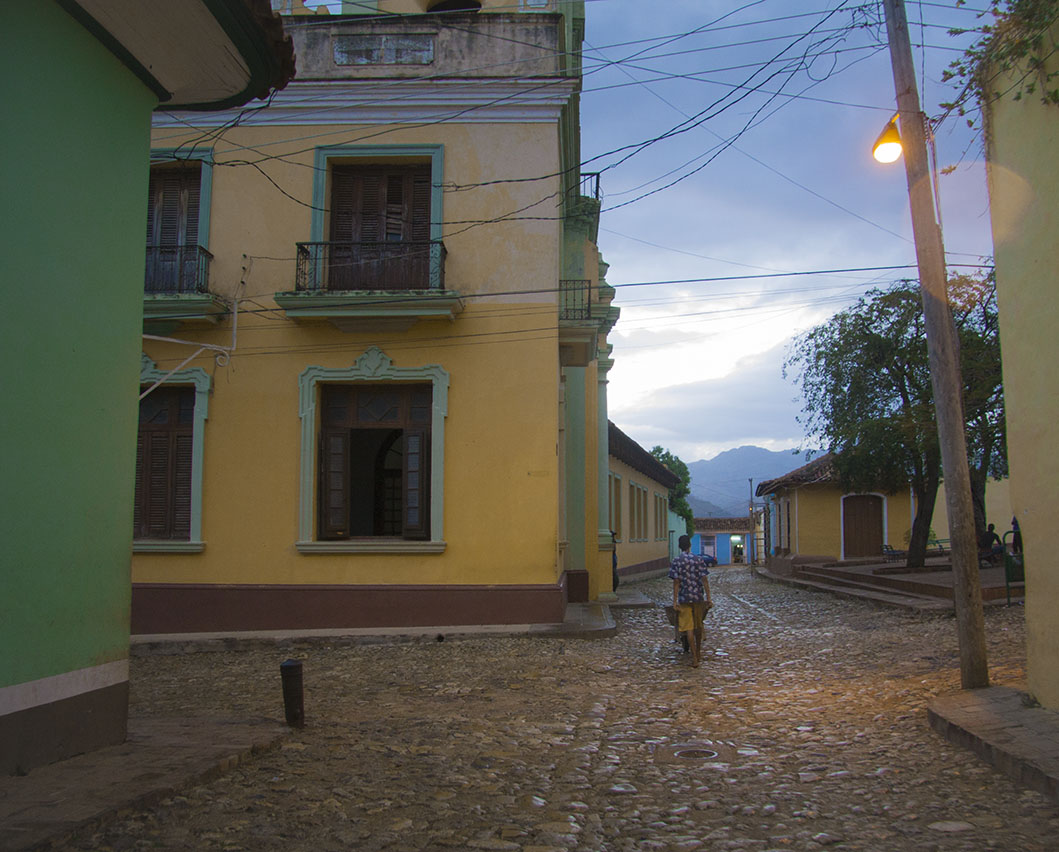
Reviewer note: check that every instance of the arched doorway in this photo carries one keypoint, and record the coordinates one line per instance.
(862, 525)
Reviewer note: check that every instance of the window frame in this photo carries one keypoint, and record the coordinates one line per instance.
(615, 505)
(325, 156)
(638, 512)
(198, 378)
(372, 367)
(163, 157)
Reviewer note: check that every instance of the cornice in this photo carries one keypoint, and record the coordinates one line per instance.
(470, 101)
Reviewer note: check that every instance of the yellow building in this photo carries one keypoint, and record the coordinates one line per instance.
(644, 528)
(810, 514)
(375, 337)
(1021, 140)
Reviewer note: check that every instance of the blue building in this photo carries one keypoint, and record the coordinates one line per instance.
(729, 540)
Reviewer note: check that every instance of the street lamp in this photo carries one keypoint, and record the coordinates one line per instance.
(887, 148)
(943, 352)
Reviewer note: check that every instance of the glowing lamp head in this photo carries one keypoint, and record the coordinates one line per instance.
(887, 148)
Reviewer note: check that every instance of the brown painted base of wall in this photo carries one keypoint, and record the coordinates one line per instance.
(644, 570)
(62, 729)
(197, 608)
(577, 586)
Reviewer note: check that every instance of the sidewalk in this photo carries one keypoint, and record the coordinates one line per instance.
(1006, 730)
(161, 757)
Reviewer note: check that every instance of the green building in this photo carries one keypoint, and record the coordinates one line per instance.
(80, 81)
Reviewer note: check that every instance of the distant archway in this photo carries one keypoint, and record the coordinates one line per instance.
(454, 6)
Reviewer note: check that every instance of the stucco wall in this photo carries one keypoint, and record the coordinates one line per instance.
(1023, 137)
(638, 552)
(500, 464)
(74, 173)
(816, 520)
(998, 508)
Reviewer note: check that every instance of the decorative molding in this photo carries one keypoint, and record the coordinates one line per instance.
(201, 380)
(371, 546)
(181, 307)
(396, 101)
(48, 690)
(149, 546)
(373, 365)
(371, 311)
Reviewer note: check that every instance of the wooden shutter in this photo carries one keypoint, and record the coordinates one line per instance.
(416, 484)
(181, 512)
(164, 445)
(159, 498)
(173, 206)
(372, 207)
(395, 212)
(420, 213)
(137, 510)
(334, 483)
(344, 225)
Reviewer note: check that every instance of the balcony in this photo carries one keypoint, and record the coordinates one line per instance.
(578, 331)
(176, 287)
(370, 285)
(379, 267)
(575, 299)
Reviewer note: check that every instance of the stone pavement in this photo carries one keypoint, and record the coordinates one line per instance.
(804, 730)
(161, 757)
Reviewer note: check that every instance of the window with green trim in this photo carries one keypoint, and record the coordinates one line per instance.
(374, 478)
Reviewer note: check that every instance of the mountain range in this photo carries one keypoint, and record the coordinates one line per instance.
(720, 486)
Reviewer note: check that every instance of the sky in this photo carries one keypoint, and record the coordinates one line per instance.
(699, 365)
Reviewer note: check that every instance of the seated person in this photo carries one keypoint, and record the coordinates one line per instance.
(989, 544)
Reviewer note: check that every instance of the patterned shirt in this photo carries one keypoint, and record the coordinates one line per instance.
(689, 570)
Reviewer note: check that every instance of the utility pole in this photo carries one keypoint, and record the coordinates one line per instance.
(943, 351)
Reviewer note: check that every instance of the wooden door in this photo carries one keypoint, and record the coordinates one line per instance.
(862, 525)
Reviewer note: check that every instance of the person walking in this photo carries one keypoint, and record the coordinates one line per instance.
(691, 596)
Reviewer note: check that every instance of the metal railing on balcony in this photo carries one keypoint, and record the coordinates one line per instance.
(336, 267)
(575, 299)
(590, 185)
(177, 269)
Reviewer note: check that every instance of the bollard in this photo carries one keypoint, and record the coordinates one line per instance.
(293, 704)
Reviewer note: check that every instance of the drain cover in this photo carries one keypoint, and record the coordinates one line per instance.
(706, 751)
(695, 754)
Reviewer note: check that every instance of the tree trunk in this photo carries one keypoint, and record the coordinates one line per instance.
(978, 481)
(926, 493)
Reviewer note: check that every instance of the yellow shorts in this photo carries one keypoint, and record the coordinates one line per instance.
(689, 616)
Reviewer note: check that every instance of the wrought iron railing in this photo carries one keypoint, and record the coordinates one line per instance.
(177, 269)
(575, 299)
(590, 185)
(336, 267)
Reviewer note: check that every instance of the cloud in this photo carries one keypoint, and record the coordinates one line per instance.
(752, 404)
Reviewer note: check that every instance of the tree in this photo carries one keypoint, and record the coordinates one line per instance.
(678, 496)
(868, 397)
(974, 308)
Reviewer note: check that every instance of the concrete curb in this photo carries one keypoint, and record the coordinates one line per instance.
(161, 758)
(1004, 727)
(583, 621)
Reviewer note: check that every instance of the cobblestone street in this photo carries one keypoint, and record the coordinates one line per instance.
(804, 729)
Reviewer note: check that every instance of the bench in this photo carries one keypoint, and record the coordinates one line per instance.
(893, 555)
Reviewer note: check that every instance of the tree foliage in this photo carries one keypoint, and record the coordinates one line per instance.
(1014, 46)
(866, 384)
(678, 496)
